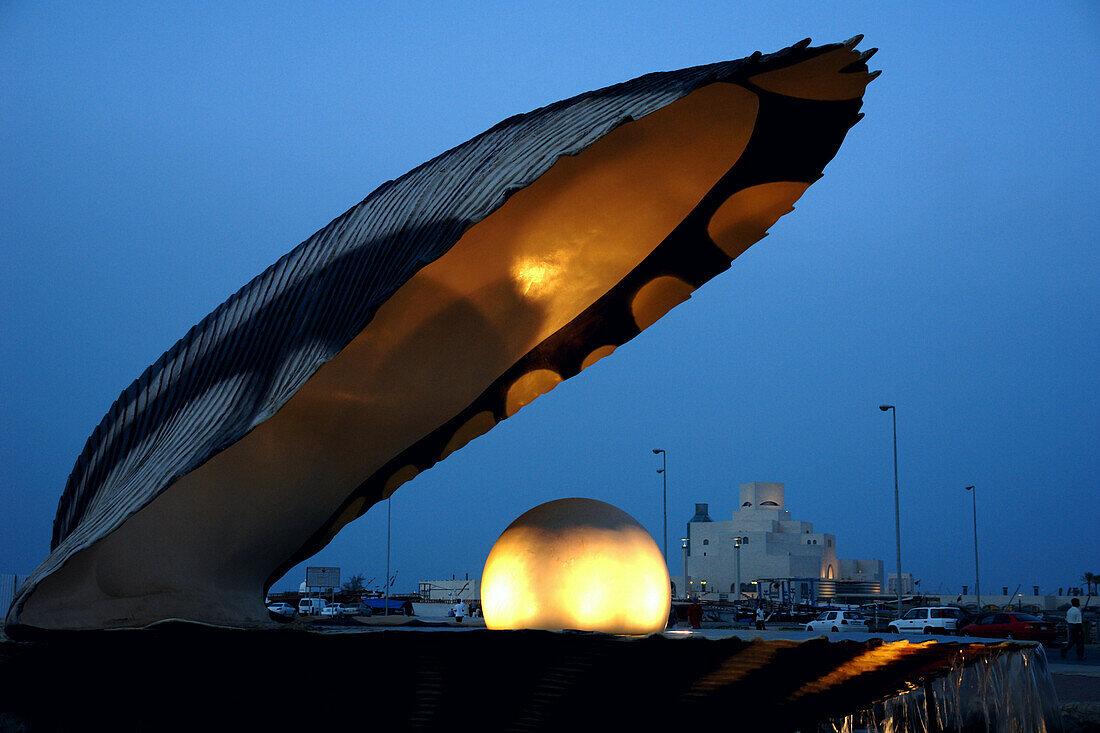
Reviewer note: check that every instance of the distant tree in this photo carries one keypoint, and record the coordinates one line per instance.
(354, 584)
(1091, 580)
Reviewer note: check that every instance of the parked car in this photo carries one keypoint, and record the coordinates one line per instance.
(839, 621)
(1012, 625)
(284, 609)
(311, 606)
(928, 620)
(334, 609)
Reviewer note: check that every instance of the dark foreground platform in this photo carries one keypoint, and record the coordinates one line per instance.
(186, 677)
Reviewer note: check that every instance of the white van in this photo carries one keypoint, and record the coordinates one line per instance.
(928, 620)
(311, 606)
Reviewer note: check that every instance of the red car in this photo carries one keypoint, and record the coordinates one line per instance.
(1012, 625)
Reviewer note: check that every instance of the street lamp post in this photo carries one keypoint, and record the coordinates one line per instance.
(737, 572)
(388, 499)
(664, 501)
(897, 509)
(684, 548)
(977, 584)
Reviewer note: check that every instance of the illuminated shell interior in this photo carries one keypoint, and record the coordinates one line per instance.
(438, 306)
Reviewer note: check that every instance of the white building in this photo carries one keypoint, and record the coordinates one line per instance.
(908, 587)
(771, 546)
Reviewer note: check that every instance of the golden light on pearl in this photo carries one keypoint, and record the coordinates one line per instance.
(576, 564)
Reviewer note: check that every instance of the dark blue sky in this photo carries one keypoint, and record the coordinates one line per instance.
(154, 159)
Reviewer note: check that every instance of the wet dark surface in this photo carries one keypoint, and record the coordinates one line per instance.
(1076, 688)
(183, 677)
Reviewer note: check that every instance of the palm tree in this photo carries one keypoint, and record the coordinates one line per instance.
(1091, 580)
(354, 584)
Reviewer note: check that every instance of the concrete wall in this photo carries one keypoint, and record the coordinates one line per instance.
(864, 569)
(907, 585)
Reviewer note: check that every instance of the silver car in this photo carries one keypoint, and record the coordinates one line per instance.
(839, 621)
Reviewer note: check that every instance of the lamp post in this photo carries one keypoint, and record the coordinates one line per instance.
(684, 548)
(388, 500)
(664, 501)
(737, 572)
(977, 585)
(897, 509)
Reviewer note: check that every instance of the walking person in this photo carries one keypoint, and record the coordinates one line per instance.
(761, 616)
(1075, 630)
(695, 614)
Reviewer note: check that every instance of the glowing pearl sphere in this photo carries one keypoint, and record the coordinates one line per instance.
(576, 564)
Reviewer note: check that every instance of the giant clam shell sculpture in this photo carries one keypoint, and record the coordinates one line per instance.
(438, 306)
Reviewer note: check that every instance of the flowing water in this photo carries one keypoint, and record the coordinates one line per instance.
(1003, 693)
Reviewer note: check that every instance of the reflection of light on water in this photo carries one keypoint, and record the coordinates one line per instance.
(868, 661)
(750, 659)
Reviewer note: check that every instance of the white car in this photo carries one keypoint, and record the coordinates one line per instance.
(334, 609)
(838, 621)
(283, 609)
(928, 620)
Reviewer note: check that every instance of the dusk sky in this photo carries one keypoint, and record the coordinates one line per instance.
(154, 159)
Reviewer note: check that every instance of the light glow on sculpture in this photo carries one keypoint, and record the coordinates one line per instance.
(576, 564)
(537, 275)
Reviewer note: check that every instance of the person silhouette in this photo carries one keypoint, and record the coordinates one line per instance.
(1075, 630)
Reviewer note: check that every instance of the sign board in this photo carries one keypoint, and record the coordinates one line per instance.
(322, 577)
